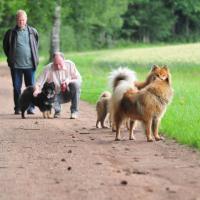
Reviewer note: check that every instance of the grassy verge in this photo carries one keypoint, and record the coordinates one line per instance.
(2, 59)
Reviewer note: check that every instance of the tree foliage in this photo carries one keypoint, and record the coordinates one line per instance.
(87, 24)
(147, 20)
(98, 21)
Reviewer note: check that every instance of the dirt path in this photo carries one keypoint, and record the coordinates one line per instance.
(59, 159)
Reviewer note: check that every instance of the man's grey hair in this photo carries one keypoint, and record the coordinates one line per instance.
(21, 12)
(58, 53)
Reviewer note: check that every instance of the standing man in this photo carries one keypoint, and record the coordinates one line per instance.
(67, 82)
(20, 45)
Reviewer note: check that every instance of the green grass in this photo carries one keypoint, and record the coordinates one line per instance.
(2, 59)
(182, 119)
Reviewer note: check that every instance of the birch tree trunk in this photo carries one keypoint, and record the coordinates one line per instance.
(55, 34)
(187, 27)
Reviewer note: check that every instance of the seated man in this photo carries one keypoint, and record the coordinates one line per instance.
(67, 82)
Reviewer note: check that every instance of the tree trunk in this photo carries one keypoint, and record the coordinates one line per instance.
(187, 26)
(55, 34)
(145, 36)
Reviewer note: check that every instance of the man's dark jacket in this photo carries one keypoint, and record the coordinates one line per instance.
(9, 44)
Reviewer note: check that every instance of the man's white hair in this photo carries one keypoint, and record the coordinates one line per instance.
(58, 53)
(21, 12)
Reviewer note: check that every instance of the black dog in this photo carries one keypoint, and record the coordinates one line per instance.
(44, 100)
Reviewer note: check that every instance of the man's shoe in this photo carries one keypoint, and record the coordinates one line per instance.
(17, 112)
(74, 115)
(30, 112)
(57, 115)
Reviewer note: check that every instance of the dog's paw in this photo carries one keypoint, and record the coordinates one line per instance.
(149, 140)
(132, 138)
(159, 138)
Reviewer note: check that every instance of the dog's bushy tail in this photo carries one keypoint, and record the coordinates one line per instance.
(121, 80)
(121, 74)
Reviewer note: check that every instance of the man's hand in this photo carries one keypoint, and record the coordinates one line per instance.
(64, 87)
(36, 91)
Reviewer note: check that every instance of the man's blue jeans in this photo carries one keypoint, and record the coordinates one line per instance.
(17, 80)
(73, 95)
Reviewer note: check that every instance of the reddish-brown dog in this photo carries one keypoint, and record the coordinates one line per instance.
(147, 105)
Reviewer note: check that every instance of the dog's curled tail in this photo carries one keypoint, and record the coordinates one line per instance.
(121, 74)
(121, 80)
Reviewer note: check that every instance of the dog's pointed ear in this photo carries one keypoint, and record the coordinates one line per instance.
(165, 67)
(53, 85)
(45, 85)
(154, 67)
(168, 79)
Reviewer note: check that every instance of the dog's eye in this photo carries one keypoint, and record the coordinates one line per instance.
(154, 78)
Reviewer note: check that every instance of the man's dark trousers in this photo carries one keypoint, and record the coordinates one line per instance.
(17, 79)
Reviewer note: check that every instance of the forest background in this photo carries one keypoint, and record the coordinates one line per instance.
(88, 25)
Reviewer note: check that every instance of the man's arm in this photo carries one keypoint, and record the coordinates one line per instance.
(74, 73)
(6, 42)
(35, 33)
(78, 76)
(42, 77)
(36, 37)
(41, 81)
